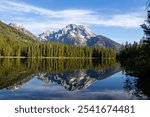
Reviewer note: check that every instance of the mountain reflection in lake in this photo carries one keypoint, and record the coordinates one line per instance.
(65, 79)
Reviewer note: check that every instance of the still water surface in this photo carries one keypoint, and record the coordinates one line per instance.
(66, 79)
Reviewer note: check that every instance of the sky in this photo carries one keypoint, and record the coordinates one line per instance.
(119, 20)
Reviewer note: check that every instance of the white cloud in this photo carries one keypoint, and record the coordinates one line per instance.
(130, 20)
(42, 18)
(39, 27)
(25, 8)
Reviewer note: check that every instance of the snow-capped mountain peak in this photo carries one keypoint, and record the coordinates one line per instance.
(71, 34)
(80, 30)
(45, 36)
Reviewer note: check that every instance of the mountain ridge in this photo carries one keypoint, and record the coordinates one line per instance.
(10, 33)
(78, 35)
(23, 29)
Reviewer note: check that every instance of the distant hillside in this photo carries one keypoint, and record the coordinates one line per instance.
(22, 29)
(14, 42)
(8, 33)
(104, 42)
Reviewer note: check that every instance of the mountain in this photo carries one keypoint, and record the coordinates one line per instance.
(45, 36)
(78, 35)
(71, 34)
(103, 41)
(22, 29)
(9, 33)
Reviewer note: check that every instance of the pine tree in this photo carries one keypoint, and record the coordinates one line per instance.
(146, 29)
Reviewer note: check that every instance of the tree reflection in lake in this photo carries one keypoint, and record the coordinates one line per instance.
(140, 70)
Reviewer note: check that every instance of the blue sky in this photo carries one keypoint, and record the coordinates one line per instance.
(117, 19)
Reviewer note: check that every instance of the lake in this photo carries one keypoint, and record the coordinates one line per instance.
(68, 79)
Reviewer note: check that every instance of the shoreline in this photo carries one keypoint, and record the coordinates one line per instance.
(21, 57)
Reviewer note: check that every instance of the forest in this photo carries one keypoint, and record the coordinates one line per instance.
(51, 49)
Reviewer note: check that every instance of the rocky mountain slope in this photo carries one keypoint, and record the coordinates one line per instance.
(103, 41)
(71, 34)
(78, 35)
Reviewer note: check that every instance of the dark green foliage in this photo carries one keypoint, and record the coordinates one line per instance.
(130, 51)
(146, 29)
(16, 43)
